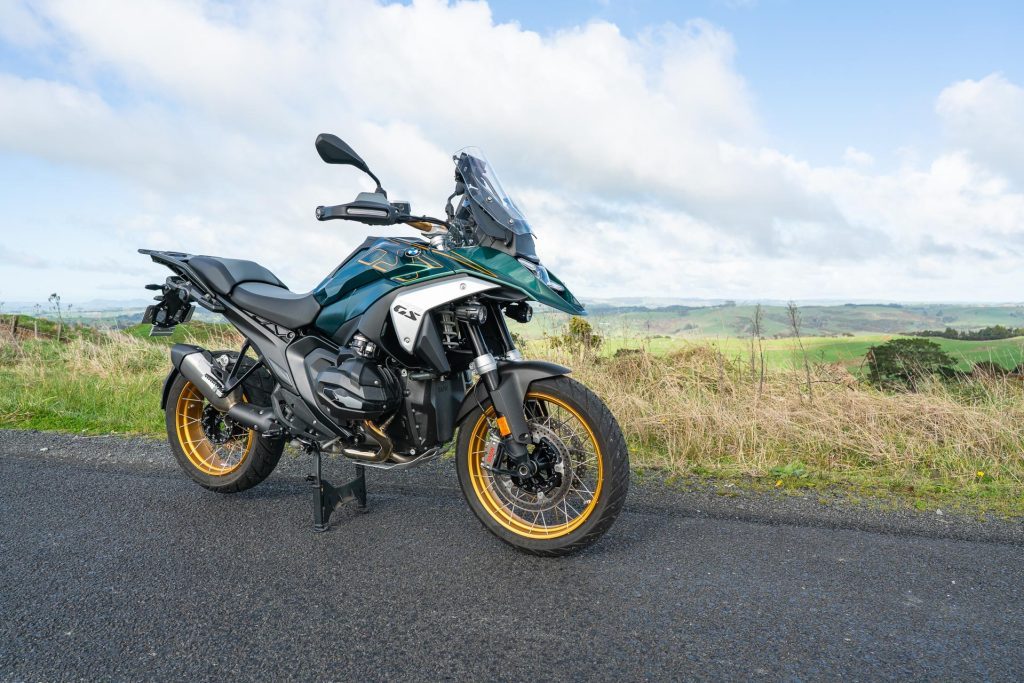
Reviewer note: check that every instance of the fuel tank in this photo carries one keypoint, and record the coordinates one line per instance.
(378, 266)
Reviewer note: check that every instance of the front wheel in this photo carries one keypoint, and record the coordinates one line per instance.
(582, 471)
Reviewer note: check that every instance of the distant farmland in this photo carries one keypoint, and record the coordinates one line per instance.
(735, 321)
(847, 351)
(831, 334)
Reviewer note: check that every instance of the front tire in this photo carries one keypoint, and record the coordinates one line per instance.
(214, 453)
(581, 483)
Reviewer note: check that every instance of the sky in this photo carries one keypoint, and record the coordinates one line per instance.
(745, 149)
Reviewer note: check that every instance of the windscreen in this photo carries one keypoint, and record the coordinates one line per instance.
(484, 188)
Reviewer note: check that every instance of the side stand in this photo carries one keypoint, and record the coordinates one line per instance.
(328, 498)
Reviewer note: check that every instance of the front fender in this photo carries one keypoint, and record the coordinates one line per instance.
(515, 378)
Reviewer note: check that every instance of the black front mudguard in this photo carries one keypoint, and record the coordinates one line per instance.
(515, 380)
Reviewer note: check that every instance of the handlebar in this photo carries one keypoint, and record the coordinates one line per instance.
(377, 213)
(364, 212)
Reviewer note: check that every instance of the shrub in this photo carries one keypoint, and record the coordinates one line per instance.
(579, 337)
(907, 362)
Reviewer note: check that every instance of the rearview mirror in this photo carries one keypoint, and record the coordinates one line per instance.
(334, 150)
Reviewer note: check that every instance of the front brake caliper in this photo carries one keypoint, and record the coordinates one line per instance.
(492, 451)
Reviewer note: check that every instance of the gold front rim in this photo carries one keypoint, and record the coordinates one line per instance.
(523, 513)
(217, 460)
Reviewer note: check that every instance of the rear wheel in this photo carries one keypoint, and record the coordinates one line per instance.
(582, 471)
(214, 451)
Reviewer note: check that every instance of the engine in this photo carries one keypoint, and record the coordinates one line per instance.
(354, 387)
(357, 387)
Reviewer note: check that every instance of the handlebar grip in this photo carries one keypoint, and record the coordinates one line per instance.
(326, 213)
(371, 212)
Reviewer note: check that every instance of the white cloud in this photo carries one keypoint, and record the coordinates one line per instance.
(641, 161)
(986, 117)
(857, 157)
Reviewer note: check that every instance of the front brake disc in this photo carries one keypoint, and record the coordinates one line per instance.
(543, 496)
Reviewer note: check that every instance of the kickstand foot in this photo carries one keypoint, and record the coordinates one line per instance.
(327, 498)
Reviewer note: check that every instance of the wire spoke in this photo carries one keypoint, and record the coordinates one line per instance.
(549, 507)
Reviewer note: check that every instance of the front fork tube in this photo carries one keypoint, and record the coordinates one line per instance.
(510, 413)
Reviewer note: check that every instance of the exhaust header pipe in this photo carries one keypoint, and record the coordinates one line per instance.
(378, 438)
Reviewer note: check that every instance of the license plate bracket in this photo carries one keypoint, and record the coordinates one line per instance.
(167, 313)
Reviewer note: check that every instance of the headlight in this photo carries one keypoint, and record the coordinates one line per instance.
(541, 273)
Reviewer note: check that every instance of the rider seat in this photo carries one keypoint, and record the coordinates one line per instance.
(277, 304)
(254, 288)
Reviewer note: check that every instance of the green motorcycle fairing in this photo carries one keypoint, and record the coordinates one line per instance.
(383, 264)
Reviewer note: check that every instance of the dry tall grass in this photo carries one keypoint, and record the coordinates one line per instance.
(695, 411)
(95, 382)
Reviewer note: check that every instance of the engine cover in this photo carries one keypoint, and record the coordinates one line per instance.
(358, 388)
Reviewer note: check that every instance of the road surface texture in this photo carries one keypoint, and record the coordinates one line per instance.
(114, 566)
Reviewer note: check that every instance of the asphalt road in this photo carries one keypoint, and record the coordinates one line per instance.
(114, 566)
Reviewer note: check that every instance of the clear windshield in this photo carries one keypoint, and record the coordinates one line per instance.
(485, 189)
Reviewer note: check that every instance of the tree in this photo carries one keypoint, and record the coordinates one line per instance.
(906, 362)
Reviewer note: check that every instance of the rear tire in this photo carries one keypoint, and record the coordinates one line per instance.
(242, 461)
(588, 479)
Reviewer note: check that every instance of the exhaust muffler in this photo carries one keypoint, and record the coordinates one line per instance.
(196, 365)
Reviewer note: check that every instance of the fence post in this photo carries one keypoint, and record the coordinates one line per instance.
(14, 325)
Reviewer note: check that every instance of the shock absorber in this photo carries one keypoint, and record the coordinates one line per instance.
(511, 420)
(475, 315)
(449, 328)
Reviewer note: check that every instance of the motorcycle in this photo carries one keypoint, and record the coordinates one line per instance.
(377, 364)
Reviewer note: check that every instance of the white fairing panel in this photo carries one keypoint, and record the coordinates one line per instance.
(409, 307)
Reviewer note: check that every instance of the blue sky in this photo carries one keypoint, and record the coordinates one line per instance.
(830, 74)
(758, 149)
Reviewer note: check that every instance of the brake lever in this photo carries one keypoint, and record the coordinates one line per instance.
(423, 223)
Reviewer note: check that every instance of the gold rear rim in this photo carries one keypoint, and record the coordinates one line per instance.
(542, 516)
(214, 459)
